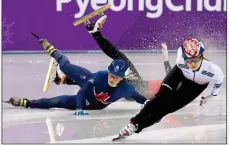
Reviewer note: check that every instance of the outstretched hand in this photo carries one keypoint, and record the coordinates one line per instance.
(80, 112)
(205, 99)
(163, 46)
(164, 51)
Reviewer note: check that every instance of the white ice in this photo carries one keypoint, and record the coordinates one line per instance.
(174, 135)
(212, 115)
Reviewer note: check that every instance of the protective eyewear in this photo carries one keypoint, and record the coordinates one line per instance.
(195, 59)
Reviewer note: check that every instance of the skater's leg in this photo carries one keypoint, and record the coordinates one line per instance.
(184, 96)
(106, 46)
(67, 102)
(64, 101)
(74, 72)
(150, 113)
(110, 50)
(157, 104)
(79, 74)
(176, 101)
(113, 52)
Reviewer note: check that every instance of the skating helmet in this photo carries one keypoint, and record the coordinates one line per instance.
(120, 68)
(192, 48)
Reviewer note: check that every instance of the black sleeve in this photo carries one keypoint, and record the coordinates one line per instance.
(167, 67)
(110, 50)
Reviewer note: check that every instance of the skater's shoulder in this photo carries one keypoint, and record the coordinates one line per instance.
(210, 65)
(211, 68)
(101, 73)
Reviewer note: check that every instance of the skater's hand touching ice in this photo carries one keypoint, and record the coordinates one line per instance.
(205, 99)
(80, 112)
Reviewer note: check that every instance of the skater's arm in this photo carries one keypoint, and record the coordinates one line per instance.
(167, 67)
(81, 95)
(217, 80)
(166, 60)
(136, 96)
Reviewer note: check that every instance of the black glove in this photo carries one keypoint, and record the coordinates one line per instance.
(205, 99)
(90, 26)
(67, 80)
(57, 79)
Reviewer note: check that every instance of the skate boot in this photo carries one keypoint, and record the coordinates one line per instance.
(47, 46)
(19, 102)
(128, 130)
(97, 25)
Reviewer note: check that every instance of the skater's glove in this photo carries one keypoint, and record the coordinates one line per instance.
(80, 112)
(56, 80)
(164, 51)
(205, 99)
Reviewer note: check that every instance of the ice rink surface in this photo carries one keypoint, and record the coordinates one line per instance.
(24, 76)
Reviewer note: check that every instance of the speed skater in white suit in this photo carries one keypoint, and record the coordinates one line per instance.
(185, 82)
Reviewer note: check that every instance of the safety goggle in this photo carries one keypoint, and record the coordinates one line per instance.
(195, 59)
(113, 76)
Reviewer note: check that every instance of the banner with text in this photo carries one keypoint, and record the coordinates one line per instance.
(131, 24)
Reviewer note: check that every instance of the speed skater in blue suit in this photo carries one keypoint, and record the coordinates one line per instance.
(98, 90)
